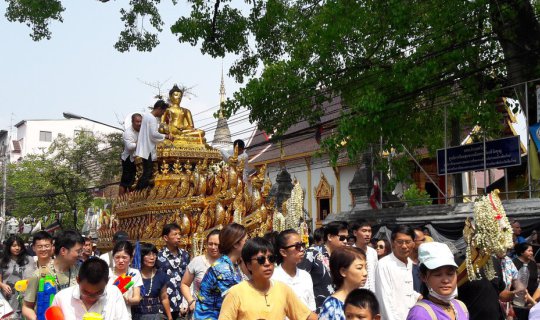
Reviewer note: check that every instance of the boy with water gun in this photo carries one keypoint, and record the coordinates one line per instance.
(92, 298)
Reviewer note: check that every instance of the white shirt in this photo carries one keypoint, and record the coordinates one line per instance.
(227, 153)
(111, 305)
(372, 260)
(137, 282)
(107, 257)
(301, 284)
(534, 314)
(394, 287)
(148, 137)
(130, 137)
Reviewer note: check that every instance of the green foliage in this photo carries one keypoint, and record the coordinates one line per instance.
(398, 67)
(135, 34)
(416, 197)
(395, 65)
(61, 179)
(36, 14)
(399, 166)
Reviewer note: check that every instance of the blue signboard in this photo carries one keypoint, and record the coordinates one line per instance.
(535, 134)
(499, 153)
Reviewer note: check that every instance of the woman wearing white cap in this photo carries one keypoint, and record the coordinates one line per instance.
(438, 272)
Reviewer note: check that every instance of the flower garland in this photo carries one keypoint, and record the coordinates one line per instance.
(491, 234)
(278, 223)
(295, 208)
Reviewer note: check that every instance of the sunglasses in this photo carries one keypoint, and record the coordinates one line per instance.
(380, 247)
(299, 246)
(262, 259)
(343, 238)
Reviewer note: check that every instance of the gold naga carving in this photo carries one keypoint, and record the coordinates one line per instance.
(193, 187)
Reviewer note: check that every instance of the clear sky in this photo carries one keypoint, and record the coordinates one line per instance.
(79, 71)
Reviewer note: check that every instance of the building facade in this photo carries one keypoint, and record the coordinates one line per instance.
(36, 136)
(326, 187)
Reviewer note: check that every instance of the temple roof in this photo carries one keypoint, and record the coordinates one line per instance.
(299, 140)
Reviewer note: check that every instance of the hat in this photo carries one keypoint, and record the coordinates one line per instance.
(435, 254)
(120, 236)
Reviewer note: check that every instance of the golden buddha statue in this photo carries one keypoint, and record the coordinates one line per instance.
(177, 120)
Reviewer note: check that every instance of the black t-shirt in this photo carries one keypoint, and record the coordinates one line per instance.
(482, 296)
(533, 274)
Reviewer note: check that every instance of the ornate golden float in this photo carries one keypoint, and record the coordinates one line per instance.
(193, 187)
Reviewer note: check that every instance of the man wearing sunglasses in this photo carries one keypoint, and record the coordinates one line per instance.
(92, 294)
(260, 297)
(317, 260)
(362, 231)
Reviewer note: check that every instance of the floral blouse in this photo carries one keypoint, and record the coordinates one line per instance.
(332, 309)
(509, 271)
(317, 263)
(175, 267)
(219, 278)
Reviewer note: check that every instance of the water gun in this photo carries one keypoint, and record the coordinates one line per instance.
(124, 282)
(92, 316)
(21, 285)
(45, 295)
(54, 313)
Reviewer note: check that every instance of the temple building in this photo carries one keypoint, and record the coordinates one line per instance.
(326, 187)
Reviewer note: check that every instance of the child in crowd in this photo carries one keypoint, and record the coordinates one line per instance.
(361, 304)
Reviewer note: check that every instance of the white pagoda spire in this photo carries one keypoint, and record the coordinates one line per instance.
(222, 135)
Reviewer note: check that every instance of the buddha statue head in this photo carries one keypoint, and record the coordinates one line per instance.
(175, 95)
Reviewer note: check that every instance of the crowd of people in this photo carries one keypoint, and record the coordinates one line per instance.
(406, 277)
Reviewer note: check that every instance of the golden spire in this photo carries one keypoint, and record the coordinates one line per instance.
(221, 93)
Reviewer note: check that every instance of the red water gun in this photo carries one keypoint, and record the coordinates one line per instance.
(54, 313)
(124, 282)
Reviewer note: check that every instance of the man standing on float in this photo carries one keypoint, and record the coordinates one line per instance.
(148, 139)
(130, 137)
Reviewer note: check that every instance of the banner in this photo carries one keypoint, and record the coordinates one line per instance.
(534, 130)
(535, 163)
(538, 103)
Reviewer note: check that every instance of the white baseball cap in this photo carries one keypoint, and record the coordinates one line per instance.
(435, 254)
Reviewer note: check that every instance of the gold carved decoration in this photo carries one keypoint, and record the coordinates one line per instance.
(323, 191)
(194, 188)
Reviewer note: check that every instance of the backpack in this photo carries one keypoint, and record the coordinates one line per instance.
(431, 313)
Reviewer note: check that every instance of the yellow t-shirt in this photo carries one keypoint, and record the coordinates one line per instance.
(245, 302)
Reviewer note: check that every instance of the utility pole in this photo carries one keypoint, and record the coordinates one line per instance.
(4, 187)
(5, 152)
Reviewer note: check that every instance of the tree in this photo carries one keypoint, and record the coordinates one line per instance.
(61, 180)
(394, 64)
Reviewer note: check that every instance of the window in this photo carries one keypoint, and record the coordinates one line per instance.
(324, 208)
(45, 136)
